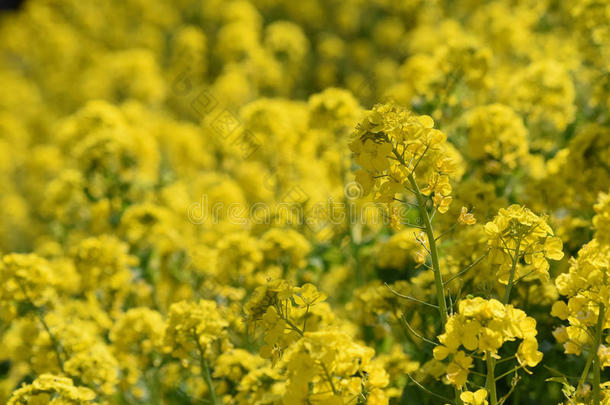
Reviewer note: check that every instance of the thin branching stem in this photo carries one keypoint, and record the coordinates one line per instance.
(438, 278)
(507, 373)
(426, 390)
(205, 370)
(511, 277)
(406, 324)
(39, 314)
(408, 297)
(447, 232)
(329, 378)
(470, 266)
(419, 159)
(508, 394)
(524, 276)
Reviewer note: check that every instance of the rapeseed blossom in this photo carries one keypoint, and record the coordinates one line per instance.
(314, 202)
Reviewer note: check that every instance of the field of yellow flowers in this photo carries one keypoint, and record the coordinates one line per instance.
(317, 202)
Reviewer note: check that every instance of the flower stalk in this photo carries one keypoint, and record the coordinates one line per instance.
(491, 380)
(438, 278)
(205, 372)
(597, 365)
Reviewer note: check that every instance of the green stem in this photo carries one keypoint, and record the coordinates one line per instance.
(597, 367)
(427, 391)
(438, 279)
(208, 380)
(462, 272)
(507, 373)
(511, 278)
(585, 372)
(329, 378)
(292, 326)
(491, 380)
(205, 372)
(40, 315)
(54, 342)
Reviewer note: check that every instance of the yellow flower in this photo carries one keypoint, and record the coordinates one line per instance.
(466, 218)
(458, 369)
(372, 155)
(440, 352)
(309, 295)
(49, 387)
(517, 233)
(484, 326)
(366, 180)
(394, 144)
(96, 367)
(560, 310)
(479, 397)
(496, 132)
(528, 354)
(194, 326)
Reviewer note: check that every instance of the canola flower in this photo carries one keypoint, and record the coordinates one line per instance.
(314, 202)
(585, 286)
(52, 389)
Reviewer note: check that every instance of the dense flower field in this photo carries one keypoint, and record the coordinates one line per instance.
(315, 202)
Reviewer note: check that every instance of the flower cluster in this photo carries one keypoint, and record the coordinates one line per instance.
(318, 362)
(516, 234)
(195, 326)
(51, 389)
(496, 134)
(394, 146)
(483, 326)
(313, 202)
(586, 286)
